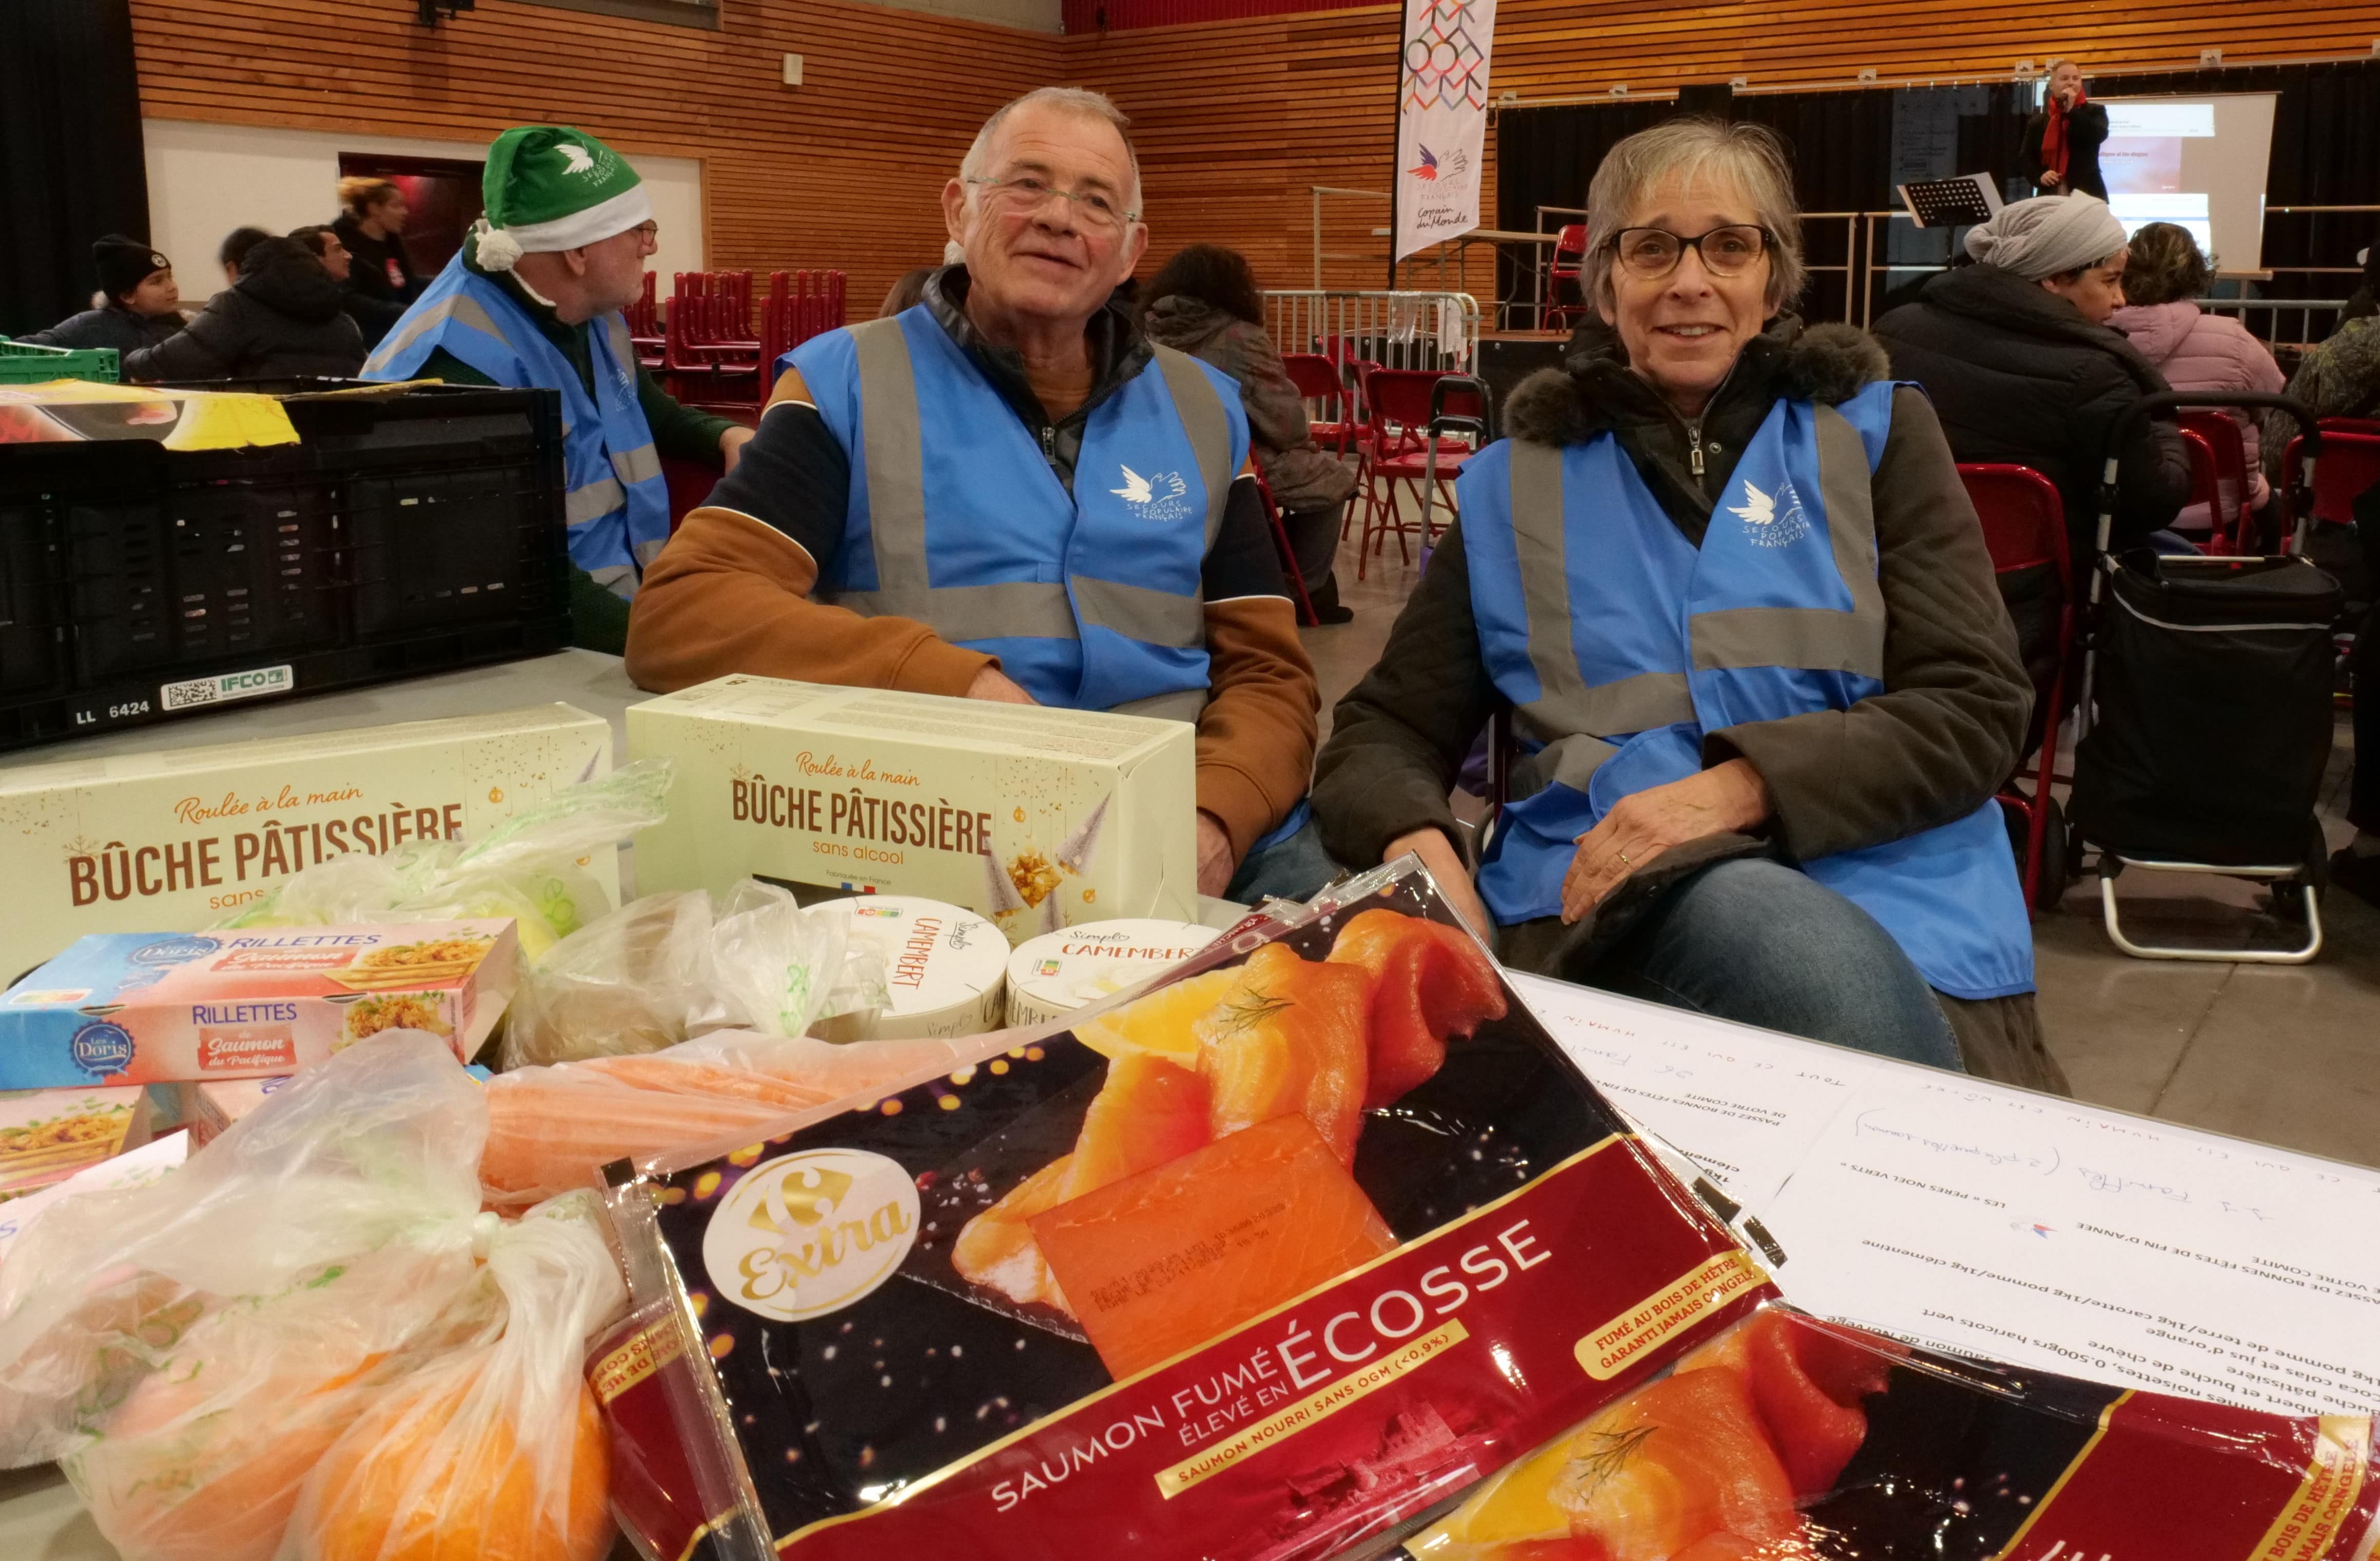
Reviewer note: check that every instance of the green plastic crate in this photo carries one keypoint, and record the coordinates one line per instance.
(21, 363)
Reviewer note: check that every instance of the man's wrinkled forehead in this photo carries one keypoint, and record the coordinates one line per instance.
(1078, 149)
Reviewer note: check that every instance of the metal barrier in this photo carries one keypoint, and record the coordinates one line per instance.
(1402, 329)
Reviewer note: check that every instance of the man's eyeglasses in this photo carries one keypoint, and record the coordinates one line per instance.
(649, 232)
(1030, 192)
(1652, 253)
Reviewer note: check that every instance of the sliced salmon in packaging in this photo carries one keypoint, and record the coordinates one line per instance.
(1275, 1256)
(1789, 1439)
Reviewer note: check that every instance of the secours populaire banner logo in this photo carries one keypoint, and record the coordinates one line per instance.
(807, 1234)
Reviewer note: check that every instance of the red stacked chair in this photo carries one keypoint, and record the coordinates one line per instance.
(1406, 407)
(1569, 265)
(645, 330)
(2025, 527)
(717, 353)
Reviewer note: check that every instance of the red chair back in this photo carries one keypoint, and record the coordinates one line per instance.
(2024, 520)
(2220, 430)
(1401, 397)
(2206, 474)
(1316, 379)
(1569, 249)
(2350, 464)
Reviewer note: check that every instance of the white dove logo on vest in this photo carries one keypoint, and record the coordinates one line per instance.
(1762, 525)
(1162, 497)
(575, 159)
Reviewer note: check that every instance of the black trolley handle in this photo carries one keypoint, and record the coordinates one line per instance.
(2119, 435)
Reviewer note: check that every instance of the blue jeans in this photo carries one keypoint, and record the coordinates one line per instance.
(1754, 941)
(1294, 868)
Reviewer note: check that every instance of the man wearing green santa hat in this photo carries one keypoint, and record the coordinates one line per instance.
(533, 299)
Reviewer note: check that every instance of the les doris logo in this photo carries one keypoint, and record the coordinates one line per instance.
(807, 1234)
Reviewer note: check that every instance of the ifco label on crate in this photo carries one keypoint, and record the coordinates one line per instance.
(226, 685)
(184, 839)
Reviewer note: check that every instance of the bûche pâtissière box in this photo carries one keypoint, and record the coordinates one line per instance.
(1033, 816)
(181, 839)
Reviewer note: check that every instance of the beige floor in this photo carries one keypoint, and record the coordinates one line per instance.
(2285, 1055)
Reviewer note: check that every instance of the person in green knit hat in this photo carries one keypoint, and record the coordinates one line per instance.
(534, 299)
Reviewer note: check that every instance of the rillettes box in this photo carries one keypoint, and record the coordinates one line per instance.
(1035, 817)
(170, 1007)
(182, 840)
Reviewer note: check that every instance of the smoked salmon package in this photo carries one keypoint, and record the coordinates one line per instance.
(1267, 1260)
(1788, 1439)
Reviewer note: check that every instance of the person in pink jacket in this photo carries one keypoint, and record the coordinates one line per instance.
(2194, 350)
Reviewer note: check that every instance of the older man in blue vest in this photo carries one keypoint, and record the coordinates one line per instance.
(1007, 493)
(534, 299)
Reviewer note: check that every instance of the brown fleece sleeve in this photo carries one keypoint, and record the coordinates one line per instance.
(730, 594)
(1255, 738)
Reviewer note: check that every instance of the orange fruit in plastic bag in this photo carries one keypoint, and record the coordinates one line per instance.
(190, 1469)
(413, 1482)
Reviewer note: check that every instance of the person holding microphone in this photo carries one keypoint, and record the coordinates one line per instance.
(2061, 141)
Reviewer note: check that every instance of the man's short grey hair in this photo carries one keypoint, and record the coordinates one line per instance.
(1072, 99)
(1693, 148)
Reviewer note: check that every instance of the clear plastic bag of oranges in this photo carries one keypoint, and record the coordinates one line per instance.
(495, 1450)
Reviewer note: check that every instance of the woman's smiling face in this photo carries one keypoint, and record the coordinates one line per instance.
(1682, 332)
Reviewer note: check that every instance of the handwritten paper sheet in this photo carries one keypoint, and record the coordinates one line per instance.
(1744, 1105)
(2045, 1233)
(2005, 1223)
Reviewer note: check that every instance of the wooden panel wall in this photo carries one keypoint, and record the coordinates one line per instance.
(1235, 119)
(1308, 99)
(845, 170)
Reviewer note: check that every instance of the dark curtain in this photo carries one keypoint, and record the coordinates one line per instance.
(72, 167)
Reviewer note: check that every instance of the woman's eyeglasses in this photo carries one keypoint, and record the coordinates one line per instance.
(1030, 192)
(1652, 253)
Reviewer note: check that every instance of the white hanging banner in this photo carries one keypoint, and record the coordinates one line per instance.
(1442, 119)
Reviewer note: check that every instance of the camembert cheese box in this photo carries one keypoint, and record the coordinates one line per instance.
(182, 840)
(1039, 818)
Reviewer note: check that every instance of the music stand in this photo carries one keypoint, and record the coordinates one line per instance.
(1959, 202)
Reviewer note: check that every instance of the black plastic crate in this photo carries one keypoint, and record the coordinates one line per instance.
(408, 532)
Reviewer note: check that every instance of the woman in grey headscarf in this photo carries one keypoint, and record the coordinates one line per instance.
(2021, 366)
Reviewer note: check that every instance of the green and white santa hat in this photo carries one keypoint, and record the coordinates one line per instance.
(548, 187)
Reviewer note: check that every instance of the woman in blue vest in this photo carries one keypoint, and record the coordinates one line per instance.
(1724, 581)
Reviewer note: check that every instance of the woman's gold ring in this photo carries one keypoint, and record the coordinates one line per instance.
(1623, 858)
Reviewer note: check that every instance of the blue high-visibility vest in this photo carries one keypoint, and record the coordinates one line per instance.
(1620, 643)
(1091, 600)
(613, 492)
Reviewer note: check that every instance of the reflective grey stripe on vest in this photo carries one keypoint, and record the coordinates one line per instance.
(1751, 637)
(1137, 612)
(1209, 428)
(637, 466)
(1564, 703)
(1183, 704)
(893, 460)
(624, 345)
(593, 501)
(455, 305)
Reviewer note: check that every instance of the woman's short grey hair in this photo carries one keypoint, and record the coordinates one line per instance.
(1071, 100)
(1693, 148)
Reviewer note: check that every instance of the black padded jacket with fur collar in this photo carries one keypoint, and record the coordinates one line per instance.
(1930, 748)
